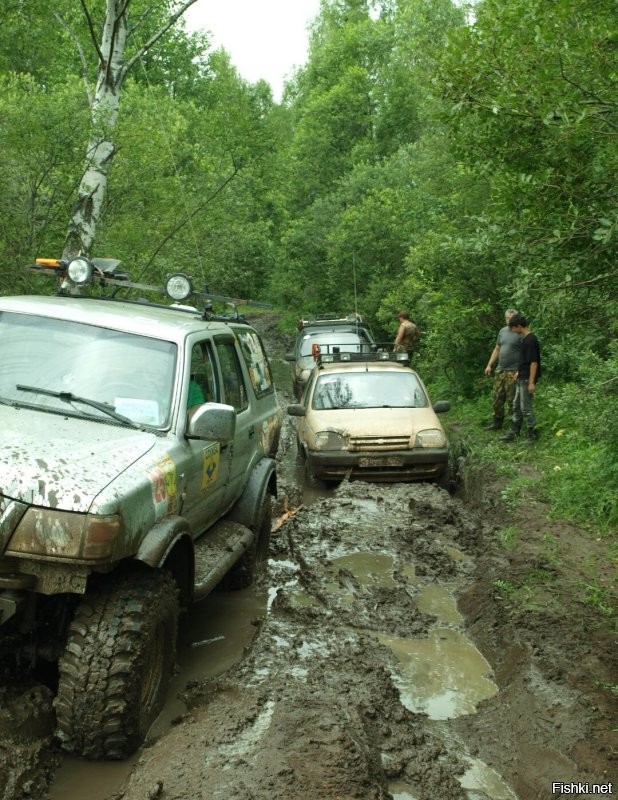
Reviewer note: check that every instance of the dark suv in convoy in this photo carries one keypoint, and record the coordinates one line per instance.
(136, 472)
(326, 334)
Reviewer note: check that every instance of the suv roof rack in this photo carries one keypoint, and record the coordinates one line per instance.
(331, 319)
(379, 355)
(73, 274)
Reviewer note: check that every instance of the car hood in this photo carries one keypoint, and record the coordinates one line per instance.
(58, 462)
(375, 421)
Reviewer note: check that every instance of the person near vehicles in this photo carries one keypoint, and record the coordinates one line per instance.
(408, 335)
(528, 373)
(506, 355)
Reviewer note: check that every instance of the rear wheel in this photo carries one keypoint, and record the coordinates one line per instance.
(116, 665)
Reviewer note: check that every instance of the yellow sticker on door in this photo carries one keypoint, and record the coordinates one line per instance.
(210, 465)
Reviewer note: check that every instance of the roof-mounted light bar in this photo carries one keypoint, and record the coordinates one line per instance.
(80, 271)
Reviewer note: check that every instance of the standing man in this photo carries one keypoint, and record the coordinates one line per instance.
(528, 373)
(408, 335)
(506, 353)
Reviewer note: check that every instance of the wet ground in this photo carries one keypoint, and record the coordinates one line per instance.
(382, 655)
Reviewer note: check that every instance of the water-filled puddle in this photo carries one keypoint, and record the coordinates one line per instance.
(369, 569)
(481, 781)
(443, 676)
(437, 600)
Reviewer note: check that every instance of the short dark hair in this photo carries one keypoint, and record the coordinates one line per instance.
(518, 319)
(403, 315)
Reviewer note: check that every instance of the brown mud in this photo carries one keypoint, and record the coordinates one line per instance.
(412, 645)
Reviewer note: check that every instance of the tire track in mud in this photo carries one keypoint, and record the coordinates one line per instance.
(313, 710)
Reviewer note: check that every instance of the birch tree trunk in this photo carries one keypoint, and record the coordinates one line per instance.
(104, 108)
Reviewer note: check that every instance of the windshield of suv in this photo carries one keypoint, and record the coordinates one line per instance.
(133, 375)
(369, 390)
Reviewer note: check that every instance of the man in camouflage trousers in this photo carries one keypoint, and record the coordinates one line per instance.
(506, 355)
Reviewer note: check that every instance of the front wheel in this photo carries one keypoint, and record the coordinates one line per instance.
(116, 665)
(244, 572)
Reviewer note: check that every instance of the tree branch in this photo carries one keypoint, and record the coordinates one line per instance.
(93, 35)
(155, 38)
(188, 218)
(82, 57)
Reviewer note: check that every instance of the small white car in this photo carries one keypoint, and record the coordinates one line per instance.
(369, 416)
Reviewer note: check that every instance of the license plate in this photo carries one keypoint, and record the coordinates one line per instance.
(380, 461)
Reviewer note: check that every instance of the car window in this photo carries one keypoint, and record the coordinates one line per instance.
(234, 391)
(335, 342)
(256, 361)
(203, 372)
(132, 374)
(368, 390)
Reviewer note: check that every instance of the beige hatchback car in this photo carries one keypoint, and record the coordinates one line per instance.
(369, 416)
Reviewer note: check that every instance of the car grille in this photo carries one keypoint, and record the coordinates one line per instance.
(378, 444)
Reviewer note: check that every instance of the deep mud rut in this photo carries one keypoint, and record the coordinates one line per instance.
(378, 661)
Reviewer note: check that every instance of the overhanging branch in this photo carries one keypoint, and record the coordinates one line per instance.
(188, 218)
(155, 37)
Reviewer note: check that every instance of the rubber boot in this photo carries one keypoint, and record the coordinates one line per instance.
(531, 436)
(513, 433)
(494, 425)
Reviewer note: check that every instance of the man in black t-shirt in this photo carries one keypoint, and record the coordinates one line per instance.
(528, 373)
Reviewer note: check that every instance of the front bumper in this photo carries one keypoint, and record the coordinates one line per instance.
(425, 463)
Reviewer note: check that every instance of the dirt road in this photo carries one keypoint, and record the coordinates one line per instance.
(387, 657)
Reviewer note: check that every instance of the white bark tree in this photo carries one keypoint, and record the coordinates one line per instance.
(104, 100)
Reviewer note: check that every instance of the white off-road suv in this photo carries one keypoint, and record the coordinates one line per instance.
(137, 446)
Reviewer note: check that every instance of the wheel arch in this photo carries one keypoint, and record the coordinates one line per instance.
(169, 544)
(262, 481)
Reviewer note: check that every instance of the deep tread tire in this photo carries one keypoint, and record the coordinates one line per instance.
(115, 670)
(244, 572)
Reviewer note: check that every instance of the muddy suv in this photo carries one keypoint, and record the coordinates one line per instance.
(136, 473)
(326, 334)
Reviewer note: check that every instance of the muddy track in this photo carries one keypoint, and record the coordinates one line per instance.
(384, 664)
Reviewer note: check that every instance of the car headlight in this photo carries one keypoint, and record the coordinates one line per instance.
(329, 440)
(64, 534)
(432, 437)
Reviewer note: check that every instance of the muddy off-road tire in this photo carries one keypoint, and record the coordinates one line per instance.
(243, 573)
(116, 666)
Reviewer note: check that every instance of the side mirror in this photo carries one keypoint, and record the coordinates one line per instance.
(440, 406)
(290, 357)
(296, 410)
(213, 421)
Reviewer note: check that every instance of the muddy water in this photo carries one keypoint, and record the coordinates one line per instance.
(211, 637)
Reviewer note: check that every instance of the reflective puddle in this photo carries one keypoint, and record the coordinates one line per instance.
(443, 676)
(369, 569)
(481, 778)
(438, 601)
(480, 782)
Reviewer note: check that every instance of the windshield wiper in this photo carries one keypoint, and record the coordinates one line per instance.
(69, 397)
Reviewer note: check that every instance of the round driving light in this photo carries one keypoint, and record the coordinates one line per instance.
(80, 270)
(179, 286)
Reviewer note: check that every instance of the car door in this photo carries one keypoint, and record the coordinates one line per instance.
(209, 462)
(235, 392)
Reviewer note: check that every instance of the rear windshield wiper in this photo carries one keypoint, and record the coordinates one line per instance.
(69, 397)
